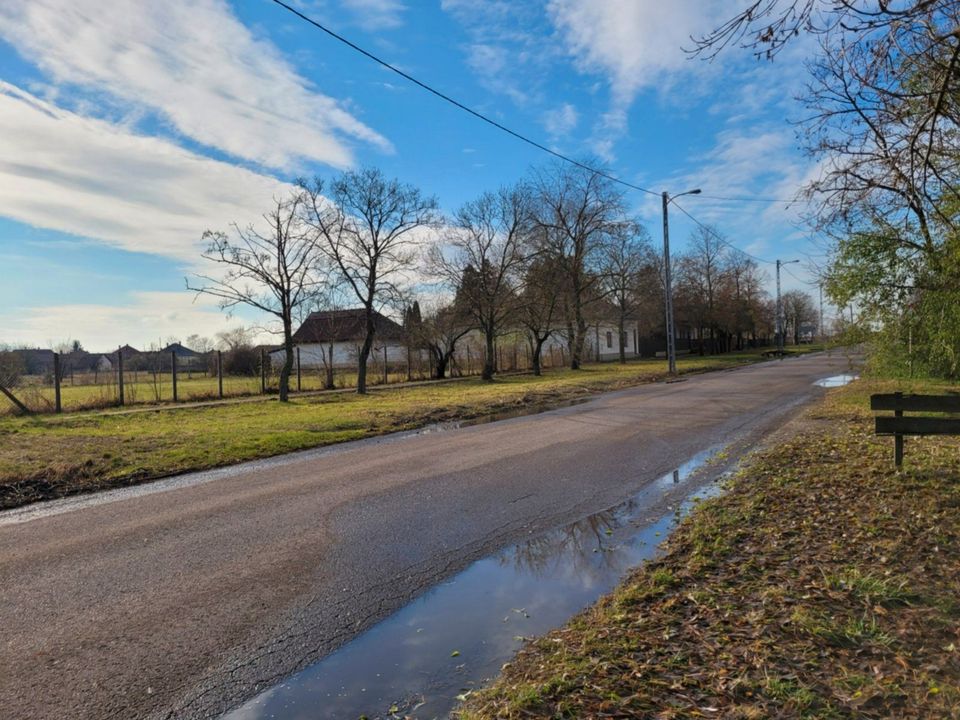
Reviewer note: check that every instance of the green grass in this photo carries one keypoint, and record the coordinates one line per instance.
(45, 456)
(823, 584)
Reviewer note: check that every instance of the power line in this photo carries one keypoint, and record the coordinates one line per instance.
(457, 103)
(720, 238)
(750, 199)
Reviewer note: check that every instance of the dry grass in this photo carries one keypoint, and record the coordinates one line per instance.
(822, 585)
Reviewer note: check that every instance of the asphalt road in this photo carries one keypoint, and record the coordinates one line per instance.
(184, 597)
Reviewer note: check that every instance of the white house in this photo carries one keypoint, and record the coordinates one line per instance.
(336, 335)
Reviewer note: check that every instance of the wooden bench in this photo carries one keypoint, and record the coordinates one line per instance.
(899, 426)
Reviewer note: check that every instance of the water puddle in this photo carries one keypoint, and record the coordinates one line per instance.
(451, 640)
(836, 381)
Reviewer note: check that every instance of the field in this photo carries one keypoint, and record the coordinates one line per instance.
(45, 456)
(823, 584)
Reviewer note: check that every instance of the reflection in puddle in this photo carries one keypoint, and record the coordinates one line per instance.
(455, 637)
(836, 381)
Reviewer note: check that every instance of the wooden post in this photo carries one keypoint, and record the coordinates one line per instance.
(220, 373)
(120, 373)
(409, 369)
(384, 364)
(263, 371)
(57, 373)
(898, 438)
(299, 384)
(173, 372)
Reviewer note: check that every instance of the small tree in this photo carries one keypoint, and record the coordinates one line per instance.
(439, 331)
(481, 257)
(577, 212)
(366, 230)
(538, 305)
(272, 270)
(624, 259)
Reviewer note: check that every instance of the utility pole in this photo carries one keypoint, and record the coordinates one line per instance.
(822, 334)
(668, 283)
(668, 291)
(780, 319)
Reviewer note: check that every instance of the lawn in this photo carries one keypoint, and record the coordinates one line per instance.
(46, 456)
(823, 584)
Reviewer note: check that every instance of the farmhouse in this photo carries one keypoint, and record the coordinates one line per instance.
(335, 336)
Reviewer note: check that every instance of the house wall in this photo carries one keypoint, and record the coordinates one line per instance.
(344, 354)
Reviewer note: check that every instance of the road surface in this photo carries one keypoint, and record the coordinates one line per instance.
(184, 597)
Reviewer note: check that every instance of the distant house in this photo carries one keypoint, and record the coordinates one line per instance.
(36, 361)
(186, 358)
(336, 335)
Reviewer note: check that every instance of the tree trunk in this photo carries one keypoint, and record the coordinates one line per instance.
(488, 358)
(287, 360)
(328, 368)
(440, 363)
(535, 356)
(364, 354)
(623, 341)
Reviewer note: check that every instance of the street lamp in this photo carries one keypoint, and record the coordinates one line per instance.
(780, 323)
(667, 282)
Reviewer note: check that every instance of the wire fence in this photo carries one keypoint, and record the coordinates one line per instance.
(63, 382)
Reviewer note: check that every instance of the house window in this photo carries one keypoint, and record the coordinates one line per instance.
(609, 339)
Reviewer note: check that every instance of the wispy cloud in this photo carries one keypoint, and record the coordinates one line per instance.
(375, 15)
(147, 317)
(634, 46)
(195, 65)
(95, 179)
(561, 120)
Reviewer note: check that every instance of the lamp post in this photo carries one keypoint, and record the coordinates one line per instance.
(780, 323)
(668, 282)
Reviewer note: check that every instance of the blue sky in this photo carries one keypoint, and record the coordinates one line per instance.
(126, 132)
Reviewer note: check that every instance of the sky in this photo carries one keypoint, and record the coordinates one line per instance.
(128, 129)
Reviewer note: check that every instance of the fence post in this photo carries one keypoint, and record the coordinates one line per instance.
(173, 372)
(384, 364)
(263, 371)
(409, 369)
(120, 373)
(56, 382)
(220, 373)
(898, 438)
(299, 385)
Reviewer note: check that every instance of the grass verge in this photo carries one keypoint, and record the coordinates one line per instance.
(822, 585)
(49, 456)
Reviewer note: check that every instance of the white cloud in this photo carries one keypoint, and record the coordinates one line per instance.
(635, 46)
(91, 178)
(196, 65)
(561, 120)
(374, 15)
(148, 317)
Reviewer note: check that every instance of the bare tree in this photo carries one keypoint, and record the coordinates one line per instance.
(701, 274)
(539, 304)
(235, 337)
(366, 230)
(439, 331)
(798, 309)
(481, 256)
(272, 270)
(624, 259)
(577, 212)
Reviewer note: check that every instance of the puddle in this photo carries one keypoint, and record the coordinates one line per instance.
(520, 411)
(455, 637)
(836, 381)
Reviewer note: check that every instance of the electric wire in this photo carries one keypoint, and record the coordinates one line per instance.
(457, 103)
(720, 238)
